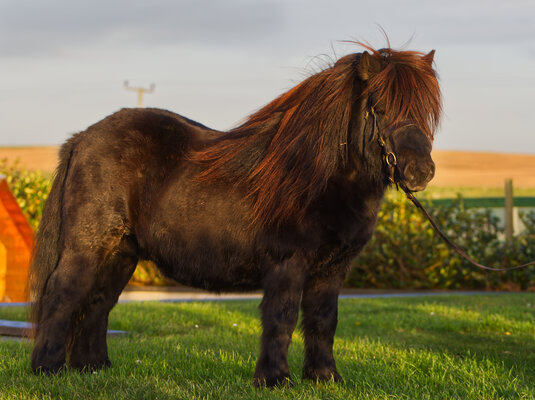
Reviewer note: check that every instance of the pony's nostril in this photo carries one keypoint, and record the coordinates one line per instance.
(431, 173)
(409, 171)
(417, 176)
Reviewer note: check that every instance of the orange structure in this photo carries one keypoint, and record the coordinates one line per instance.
(16, 241)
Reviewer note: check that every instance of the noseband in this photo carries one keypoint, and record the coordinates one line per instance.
(390, 161)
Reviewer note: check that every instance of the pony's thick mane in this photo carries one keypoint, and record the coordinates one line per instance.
(286, 153)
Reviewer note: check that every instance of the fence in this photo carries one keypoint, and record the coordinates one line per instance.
(507, 208)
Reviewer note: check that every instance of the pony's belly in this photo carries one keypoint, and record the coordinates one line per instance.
(218, 277)
(205, 250)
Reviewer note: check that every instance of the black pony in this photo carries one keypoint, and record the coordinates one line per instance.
(282, 203)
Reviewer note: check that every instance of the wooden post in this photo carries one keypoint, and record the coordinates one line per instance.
(509, 205)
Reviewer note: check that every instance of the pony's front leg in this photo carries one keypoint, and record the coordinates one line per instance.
(283, 286)
(320, 316)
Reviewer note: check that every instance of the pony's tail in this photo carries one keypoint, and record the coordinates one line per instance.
(48, 241)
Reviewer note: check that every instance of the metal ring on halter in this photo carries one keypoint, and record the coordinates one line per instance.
(390, 159)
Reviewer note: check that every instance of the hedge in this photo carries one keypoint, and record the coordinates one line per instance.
(404, 252)
(30, 188)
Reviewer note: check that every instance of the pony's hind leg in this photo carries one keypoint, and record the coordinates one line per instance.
(66, 289)
(86, 339)
(320, 316)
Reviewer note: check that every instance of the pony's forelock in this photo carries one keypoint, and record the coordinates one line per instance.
(407, 86)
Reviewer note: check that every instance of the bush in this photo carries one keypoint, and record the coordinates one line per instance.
(30, 188)
(528, 219)
(405, 252)
(147, 274)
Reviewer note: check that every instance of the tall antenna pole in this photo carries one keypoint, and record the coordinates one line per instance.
(140, 91)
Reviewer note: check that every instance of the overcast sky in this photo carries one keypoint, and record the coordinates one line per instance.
(63, 62)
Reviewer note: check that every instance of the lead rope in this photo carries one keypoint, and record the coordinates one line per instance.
(391, 163)
(456, 248)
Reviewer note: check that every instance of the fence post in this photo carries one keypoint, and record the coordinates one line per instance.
(509, 204)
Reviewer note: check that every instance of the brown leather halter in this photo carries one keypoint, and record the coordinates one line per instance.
(390, 160)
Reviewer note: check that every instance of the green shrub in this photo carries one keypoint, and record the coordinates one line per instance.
(147, 274)
(528, 219)
(405, 252)
(30, 188)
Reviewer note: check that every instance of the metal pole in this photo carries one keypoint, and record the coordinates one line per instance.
(140, 97)
(140, 91)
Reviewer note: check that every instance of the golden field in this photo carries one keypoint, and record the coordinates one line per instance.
(454, 168)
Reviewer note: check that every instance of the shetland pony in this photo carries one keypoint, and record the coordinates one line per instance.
(283, 203)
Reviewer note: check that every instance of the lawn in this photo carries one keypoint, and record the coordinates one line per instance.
(432, 347)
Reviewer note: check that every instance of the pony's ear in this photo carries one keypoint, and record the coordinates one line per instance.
(429, 57)
(368, 66)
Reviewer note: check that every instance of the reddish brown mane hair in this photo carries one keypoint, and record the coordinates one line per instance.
(286, 153)
(407, 87)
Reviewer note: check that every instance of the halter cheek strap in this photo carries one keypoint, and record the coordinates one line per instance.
(388, 155)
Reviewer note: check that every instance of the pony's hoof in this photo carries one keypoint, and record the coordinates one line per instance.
(90, 366)
(43, 362)
(48, 369)
(282, 380)
(322, 375)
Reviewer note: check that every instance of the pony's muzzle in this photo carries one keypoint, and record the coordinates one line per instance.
(418, 175)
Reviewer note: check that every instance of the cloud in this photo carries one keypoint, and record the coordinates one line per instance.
(30, 28)
(36, 28)
(478, 21)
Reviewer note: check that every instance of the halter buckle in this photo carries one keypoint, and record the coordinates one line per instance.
(381, 141)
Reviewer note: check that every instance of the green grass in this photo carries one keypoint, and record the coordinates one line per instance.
(454, 347)
(452, 192)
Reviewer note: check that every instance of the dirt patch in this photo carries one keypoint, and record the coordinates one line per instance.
(454, 168)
